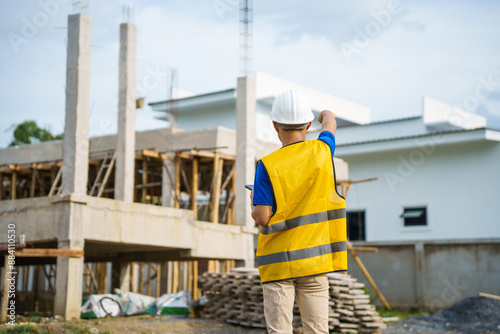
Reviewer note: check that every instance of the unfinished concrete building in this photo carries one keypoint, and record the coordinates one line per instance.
(145, 212)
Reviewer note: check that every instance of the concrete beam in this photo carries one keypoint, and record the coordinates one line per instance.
(124, 228)
(161, 139)
(76, 127)
(125, 158)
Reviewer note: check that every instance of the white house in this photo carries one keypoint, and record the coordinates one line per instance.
(438, 173)
(438, 176)
(196, 112)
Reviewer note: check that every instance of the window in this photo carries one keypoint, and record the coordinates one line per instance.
(356, 225)
(415, 216)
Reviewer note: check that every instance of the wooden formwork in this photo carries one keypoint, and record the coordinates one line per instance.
(204, 182)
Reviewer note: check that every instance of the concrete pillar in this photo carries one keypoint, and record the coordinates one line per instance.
(120, 275)
(125, 155)
(76, 127)
(69, 281)
(245, 158)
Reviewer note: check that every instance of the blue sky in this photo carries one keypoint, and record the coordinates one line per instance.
(383, 54)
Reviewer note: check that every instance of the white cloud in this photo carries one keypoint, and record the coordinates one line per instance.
(432, 48)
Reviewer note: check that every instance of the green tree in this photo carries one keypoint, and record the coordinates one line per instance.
(28, 132)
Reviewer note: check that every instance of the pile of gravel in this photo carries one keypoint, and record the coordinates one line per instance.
(471, 315)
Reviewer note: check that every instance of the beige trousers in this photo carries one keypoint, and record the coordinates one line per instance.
(312, 298)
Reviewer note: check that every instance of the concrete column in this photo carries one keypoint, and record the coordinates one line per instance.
(420, 273)
(245, 159)
(167, 188)
(120, 275)
(125, 157)
(76, 127)
(69, 281)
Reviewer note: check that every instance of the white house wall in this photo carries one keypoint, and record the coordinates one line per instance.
(207, 118)
(264, 129)
(457, 183)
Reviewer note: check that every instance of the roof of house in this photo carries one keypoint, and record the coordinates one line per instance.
(193, 97)
(429, 134)
(384, 121)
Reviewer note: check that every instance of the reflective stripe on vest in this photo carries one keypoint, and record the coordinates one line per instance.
(307, 234)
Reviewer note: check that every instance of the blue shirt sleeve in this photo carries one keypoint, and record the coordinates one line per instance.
(328, 138)
(263, 190)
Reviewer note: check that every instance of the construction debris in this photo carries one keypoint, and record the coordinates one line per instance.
(237, 299)
(129, 303)
(101, 306)
(174, 304)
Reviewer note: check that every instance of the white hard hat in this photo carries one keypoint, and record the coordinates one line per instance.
(291, 107)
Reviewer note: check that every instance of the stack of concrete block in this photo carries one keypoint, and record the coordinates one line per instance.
(350, 309)
(234, 297)
(237, 298)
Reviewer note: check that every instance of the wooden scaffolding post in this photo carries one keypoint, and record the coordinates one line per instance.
(147, 283)
(131, 286)
(144, 178)
(195, 279)
(233, 209)
(194, 185)
(141, 281)
(175, 278)
(102, 276)
(36, 279)
(185, 275)
(86, 275)
(177, 182)
(158, 279)
(33, 182)
(1, 186)
(170, 276)
(216, 184)
(367, 275)
(13, 185)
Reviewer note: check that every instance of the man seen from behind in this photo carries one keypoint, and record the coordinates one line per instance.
(303, 234)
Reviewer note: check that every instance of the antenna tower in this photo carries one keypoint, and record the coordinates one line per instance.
(246, 18)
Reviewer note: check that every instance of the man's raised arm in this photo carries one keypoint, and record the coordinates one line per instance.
(328, 122)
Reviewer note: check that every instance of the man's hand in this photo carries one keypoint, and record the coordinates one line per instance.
(327, 120)
(261, 213)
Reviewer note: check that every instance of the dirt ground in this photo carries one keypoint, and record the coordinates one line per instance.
(136, 324)
(471, 315)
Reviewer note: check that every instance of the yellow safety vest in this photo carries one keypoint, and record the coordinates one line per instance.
(307, 234)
